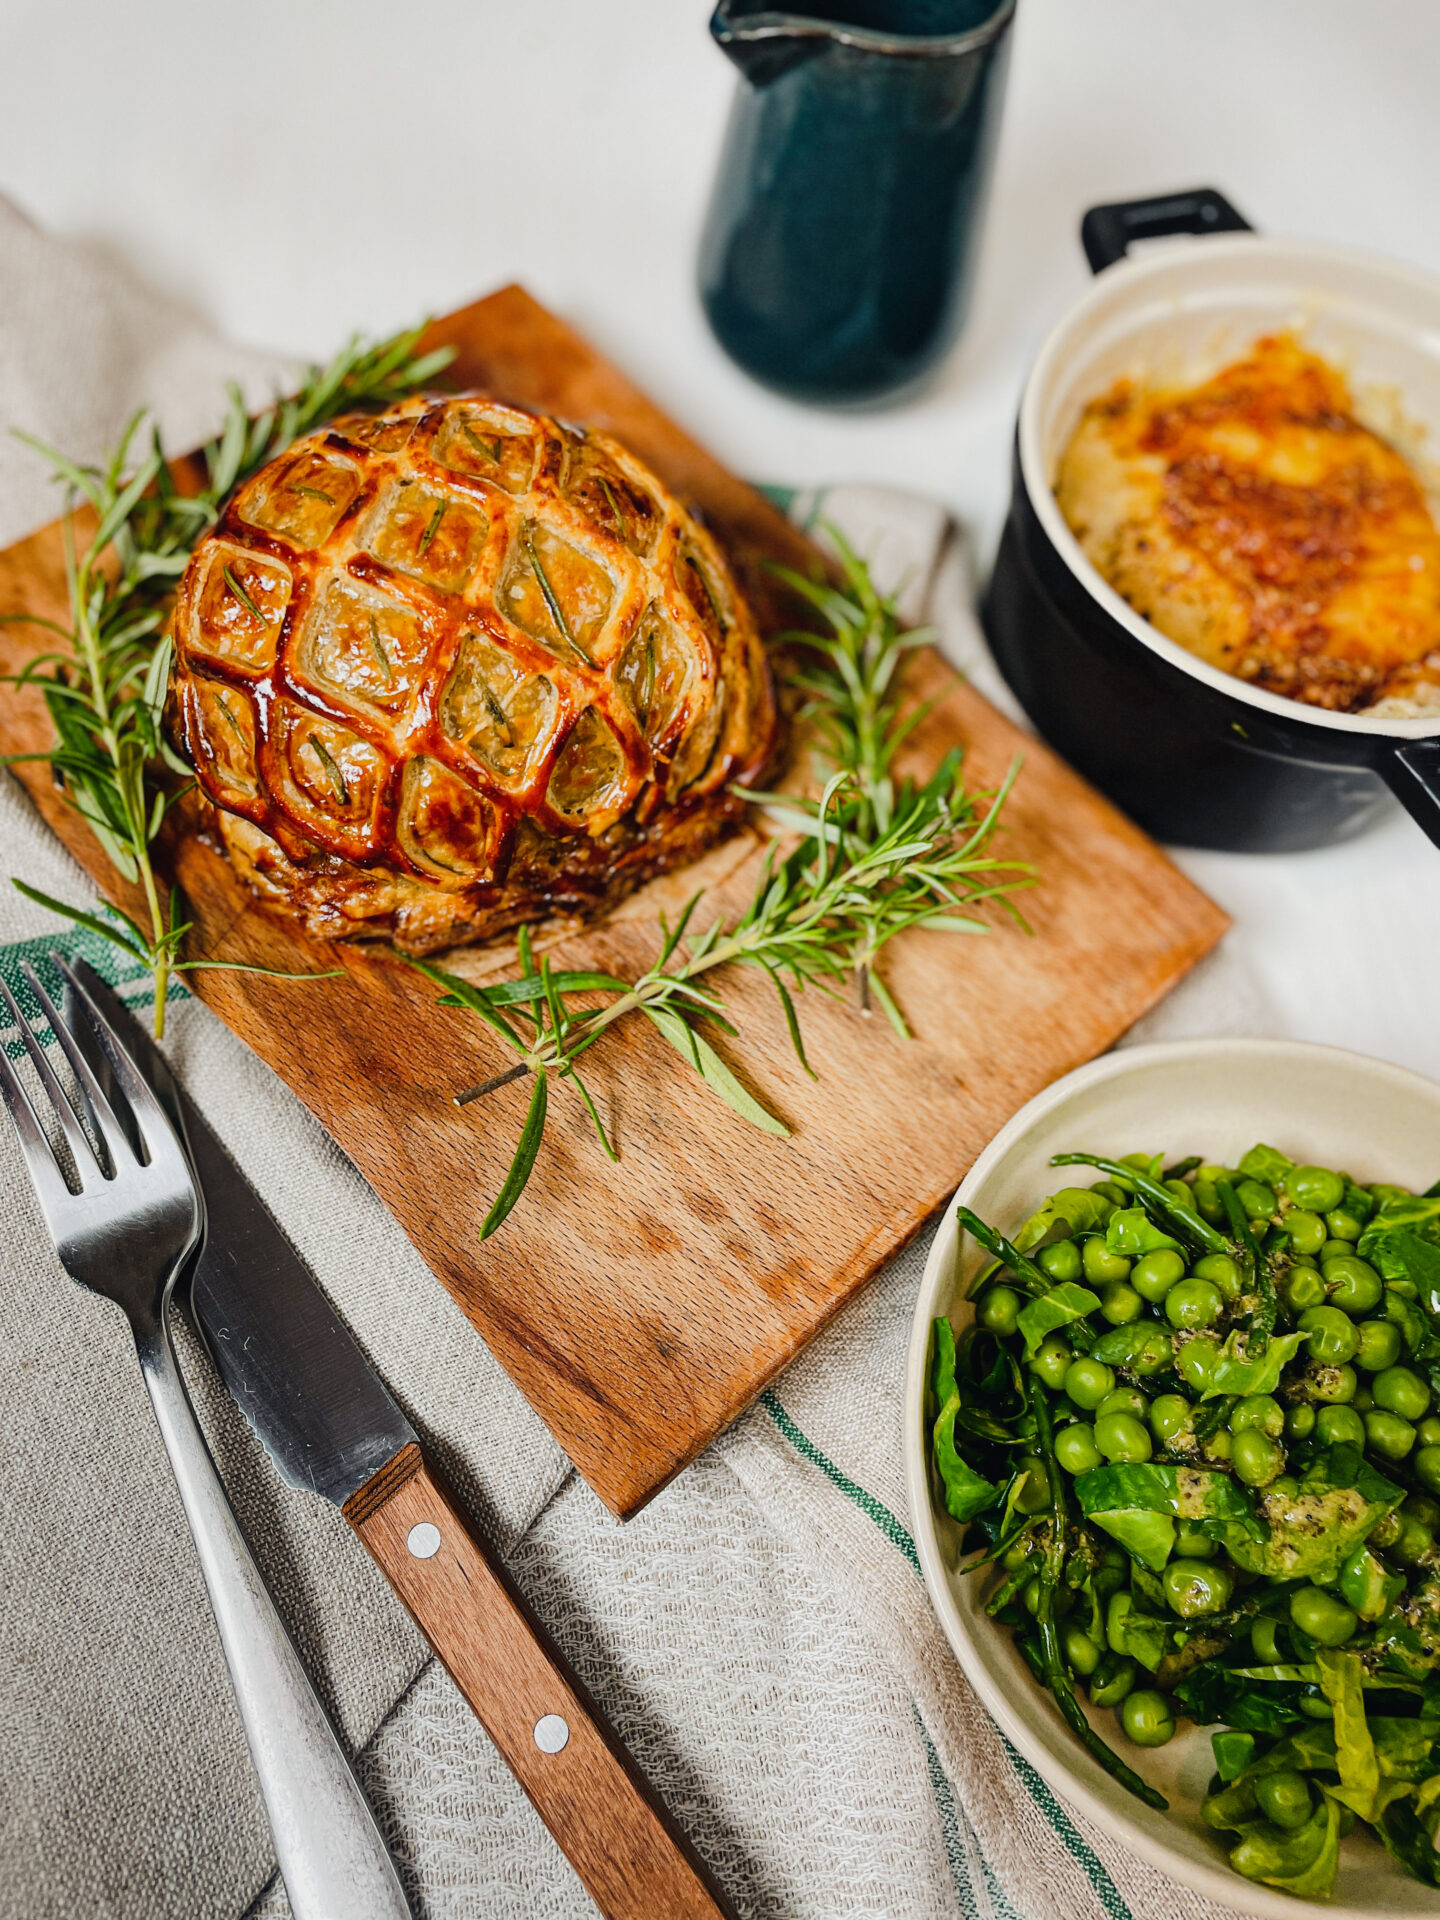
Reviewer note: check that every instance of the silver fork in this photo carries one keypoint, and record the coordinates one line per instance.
(126, 1234)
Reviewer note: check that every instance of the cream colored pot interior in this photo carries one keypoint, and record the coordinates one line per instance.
(1177, 313)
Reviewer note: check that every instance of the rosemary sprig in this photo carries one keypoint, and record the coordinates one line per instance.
(870, 859)
(105, 684)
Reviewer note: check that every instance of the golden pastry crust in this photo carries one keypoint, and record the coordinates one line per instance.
(1254, 520)
(456, 666)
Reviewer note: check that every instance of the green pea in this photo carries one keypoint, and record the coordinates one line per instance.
(1379, 1346)
(1340, 1427)
(1112, 1680)
(1194, 1588)
(1387, 1434)
(1219, 1445)
(1169, 1416)
(1075, 1448)
(1258, 1410)
(1304, 1289)
(1153, 1274)
(1333, 1339)
(1343, 1224)
(1353, 1284)
(1314, 1708)
(1366, 1585)
(1060, 1260)
(1191, 1544)
(1299, 1422)
(1285, 1798)
(1413, 1543)
(1255, 1458)
(1030, 1597)
(1148, 1718)
(1120, 1303)
(1115, 1194)
(1316, 1189)
(1080, 1650)
(1383, 1194)
(1052, 1362)
(1362, 1400)
(1426, 1467)
(1395, 1292)
(1222, 1272)
(1306, 1231)
(1422, 1508)
(998, 1308)
(1430, 1431)
(1386, 1531)
(1122, 1439)
(1192, 1304)
(1101, 1264)
(1336, 1385)
(1195, 1361)
(1015, 1557)
(1334, 1250)
(1088, 1381)
(1263, 1643)
(1398, 1390)
(1034, 1496)
(1328, 1621)
(1152, 1352)
(1125, 1400)
(1257, 1199)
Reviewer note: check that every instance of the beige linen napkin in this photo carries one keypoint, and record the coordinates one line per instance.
(759, 1634)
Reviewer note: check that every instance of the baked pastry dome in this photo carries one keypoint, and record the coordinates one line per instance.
(455, 666)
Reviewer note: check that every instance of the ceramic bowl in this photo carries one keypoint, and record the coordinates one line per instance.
(1216, 1098)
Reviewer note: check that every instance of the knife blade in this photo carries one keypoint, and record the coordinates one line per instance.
(332, 1428)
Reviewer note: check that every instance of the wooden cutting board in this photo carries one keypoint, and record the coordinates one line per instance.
(641, 1306)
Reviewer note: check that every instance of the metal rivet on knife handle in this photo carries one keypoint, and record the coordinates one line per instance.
(423, 1540)
(551, 1733)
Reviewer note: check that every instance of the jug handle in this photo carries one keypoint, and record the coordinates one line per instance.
(1106, 232)
(1412, 773)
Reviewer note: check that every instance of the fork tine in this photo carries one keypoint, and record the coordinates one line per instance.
(161, 1142)
(86, 1163)
(44, 1169)
(100, 1110)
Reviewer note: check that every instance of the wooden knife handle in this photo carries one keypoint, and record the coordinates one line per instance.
(634, 1861)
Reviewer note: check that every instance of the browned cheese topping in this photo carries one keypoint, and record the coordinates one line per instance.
(1255, 521)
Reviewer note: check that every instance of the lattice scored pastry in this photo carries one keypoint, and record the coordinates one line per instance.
(456, 666)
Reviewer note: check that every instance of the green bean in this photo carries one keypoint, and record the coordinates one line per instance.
(1052, 1656)
(1184, 1223)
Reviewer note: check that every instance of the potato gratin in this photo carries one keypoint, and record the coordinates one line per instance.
(1255, 521)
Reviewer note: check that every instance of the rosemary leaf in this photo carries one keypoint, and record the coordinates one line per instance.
(521, 1166)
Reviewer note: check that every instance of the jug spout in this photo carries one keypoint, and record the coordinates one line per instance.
(765, 45)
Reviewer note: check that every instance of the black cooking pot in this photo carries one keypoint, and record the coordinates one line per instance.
(1195, 755)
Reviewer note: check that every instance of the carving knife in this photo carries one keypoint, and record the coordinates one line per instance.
(332, 1428)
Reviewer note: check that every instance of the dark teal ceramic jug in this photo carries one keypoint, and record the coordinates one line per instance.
(841, 236)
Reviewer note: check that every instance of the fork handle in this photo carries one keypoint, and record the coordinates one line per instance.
(334, 1862)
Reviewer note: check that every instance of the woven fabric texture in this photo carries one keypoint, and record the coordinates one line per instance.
(759, 1634)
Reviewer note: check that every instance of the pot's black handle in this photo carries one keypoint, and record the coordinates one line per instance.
(1106, 232)
(1412, 773)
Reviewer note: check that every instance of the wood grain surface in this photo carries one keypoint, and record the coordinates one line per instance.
(641, 1306)
(633, 1859)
